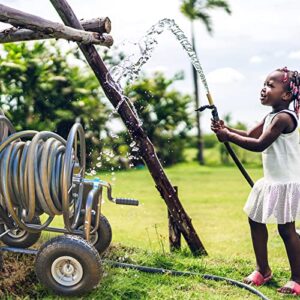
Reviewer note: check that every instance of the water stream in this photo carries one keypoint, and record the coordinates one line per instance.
(130, 68)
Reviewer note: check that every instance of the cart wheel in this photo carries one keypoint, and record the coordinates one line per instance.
(20, 238)
(101, 239)
(68, 265)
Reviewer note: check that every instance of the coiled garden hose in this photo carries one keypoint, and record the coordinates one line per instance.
(36, 176)
(42, 173)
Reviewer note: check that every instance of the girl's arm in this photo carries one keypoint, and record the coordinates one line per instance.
(280, 123)
(237, 131)
(256, 131)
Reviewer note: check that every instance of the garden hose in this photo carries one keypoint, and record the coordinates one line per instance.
(185, 273)
(229, 149)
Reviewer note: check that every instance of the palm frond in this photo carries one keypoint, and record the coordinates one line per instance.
(206, 19)
(188, 8)
(197, 10)
(218, 3)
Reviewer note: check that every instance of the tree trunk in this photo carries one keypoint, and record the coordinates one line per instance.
(53, 29)
(114, 94)
(200, 147)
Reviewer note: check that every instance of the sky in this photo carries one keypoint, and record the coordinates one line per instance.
(258, 37)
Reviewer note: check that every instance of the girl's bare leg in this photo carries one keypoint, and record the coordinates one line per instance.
(292, 245)
(259, 234)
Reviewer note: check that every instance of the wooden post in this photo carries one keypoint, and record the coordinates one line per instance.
(101, 25)
(52, 29)
(114, 94)
(174, 231)
(13, 34)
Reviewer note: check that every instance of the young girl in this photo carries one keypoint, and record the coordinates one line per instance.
(276, 197)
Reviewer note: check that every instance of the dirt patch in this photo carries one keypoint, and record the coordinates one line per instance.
(17, 277)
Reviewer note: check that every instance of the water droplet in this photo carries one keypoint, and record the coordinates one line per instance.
(114, 136)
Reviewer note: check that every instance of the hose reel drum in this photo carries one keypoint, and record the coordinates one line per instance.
(42, 174)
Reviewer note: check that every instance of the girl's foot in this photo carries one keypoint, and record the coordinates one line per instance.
(291, 287)
(256, 278)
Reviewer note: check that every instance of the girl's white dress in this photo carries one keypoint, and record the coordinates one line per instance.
(275, 198)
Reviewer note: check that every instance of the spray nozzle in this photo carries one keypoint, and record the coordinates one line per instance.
(214, 111)
(204, 107)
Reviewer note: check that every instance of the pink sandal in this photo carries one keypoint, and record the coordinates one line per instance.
(290, 288)
(256, 278)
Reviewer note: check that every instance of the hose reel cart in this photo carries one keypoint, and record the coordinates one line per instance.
(43, 174)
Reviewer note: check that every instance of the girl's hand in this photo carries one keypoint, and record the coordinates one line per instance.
(216, 125)
(223, 135)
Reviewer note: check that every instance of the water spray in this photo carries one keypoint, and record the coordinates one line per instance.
(130, 70)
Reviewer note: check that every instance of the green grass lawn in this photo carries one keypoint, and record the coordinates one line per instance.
(213, 197)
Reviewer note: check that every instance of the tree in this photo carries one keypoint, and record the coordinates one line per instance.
(43, 88)
(198, 10)
(163, 112)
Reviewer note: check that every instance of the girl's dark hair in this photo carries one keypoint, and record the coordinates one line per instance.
(292, 81)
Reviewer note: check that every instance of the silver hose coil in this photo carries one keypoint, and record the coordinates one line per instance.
(36, 176)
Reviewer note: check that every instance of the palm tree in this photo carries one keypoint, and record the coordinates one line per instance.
(198, 10)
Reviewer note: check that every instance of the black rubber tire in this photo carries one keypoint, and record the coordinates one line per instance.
(25, 240)
(103, 234)
(80, 250)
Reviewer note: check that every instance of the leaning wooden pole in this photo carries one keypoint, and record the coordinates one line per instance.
(15, 34)
(174, 231)
(53, 29)
(113, 93)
